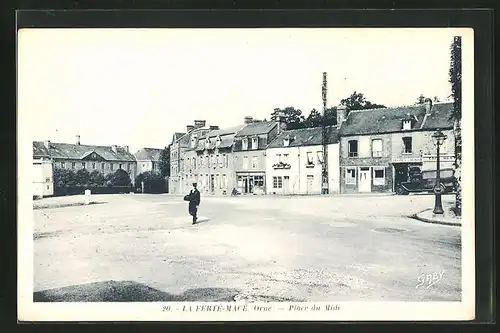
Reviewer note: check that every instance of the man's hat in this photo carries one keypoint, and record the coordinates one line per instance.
(195, 184)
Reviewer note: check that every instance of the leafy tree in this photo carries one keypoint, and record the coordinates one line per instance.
(357, 101)
(120, 178)
(64, 177)
(455, 78)
(82, 177)
(96, 178)
(315, 118)
(164, 163)
(421, 99)
(292, 117)
(153, 182)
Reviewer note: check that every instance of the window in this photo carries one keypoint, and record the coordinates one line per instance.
(218, 141)
(224, 180)
(244, 144)
(255, 162)
(128, 166)
(201, 162)
(207, 161)
(255, 143)
(217, 161)
(277, 182)
(352, 146)
(285, 158)
(377, 147)
(47, 180)
(278, 158)
(194, 162)
(407, 145)
(442, 148)
(320, 156)
(73, 164)
(143, 165)
(258, 181)
(407, 124)
(102, 166)
(63, 165)
(350, 175)
(217, 181)
(111, 166)
(212, 161)
(310, 160)
(83, 165)
(245, 162)
(286, 142)
(225, 160)
(93, 166)
(119, 166)
(378, 176)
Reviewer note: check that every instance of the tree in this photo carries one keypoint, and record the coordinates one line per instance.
(64, 177)
(82, 177)
(315, 118)
(421, 99)
(153, 182)
(455, 78)
(357, 101)
(164, 163)
(96, 178)
(292, 117)
(120, 178)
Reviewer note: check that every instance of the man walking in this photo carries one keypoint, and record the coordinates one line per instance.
(194, 201)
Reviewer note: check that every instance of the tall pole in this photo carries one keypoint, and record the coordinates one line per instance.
(438, 205)
(324, 173)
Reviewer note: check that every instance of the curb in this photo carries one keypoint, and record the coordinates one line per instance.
(426, 220)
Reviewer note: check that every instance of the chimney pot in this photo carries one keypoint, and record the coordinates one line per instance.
(248, 120)
(341, 114)
(189, 128)
(214, 127)
(46, 143)
(200, 123)
(114, 148)
(78, 140)
(428, 106)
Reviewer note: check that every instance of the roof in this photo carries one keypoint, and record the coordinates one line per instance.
(224, 131)
(148, 154)
(185, 139)
(305, 137)
(178, 135)
(77, 152)
(389, 120)
(257, 128)
(226, 135)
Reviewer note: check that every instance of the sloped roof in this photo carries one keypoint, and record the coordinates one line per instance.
(226, 135)
(389, 120)
(262, 127)
(148, 154)
(224, 131)
(178, 135)
(305, 137)
(76, 152)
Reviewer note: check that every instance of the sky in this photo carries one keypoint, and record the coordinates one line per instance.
(137, 87)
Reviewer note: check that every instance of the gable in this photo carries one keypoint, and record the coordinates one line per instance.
(92, 156)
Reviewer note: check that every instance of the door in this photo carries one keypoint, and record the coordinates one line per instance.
(245, 184)
(250, 184)
(310, 180)
(286, 185)
(365, 180)
(401, 174)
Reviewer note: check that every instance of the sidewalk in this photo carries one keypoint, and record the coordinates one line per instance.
(448, 218)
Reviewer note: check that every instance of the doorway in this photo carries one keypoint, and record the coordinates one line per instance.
(212, 185)
(365, 181)
(286, 185)
(310, 181)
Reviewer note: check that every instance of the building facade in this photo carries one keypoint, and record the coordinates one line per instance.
(148, 160)
(43, 181)
(250, 155)
(104, 159)
(378, 147)
(295, 162)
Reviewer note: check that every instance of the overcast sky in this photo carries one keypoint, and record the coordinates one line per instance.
(138, 87)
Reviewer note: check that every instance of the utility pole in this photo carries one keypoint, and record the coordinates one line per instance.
(324, 173)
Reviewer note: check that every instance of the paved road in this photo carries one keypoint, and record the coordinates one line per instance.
(300, 248)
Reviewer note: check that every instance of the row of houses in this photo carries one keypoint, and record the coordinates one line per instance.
(49, 156)
(368, 151)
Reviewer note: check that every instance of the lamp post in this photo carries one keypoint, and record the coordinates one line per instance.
(438, 138)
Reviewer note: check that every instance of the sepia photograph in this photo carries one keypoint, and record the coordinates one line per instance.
(246, 174)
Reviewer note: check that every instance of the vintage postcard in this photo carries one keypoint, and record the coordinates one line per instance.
(246, 174)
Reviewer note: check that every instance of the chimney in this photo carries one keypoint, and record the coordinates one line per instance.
(200, 123)
(114, 148)
(189, 128)
(77, 140)
(126, 149)
(214, 127)
(46, 143)
(280, 120)
(248, 120)
(341, 114)
(428, 106)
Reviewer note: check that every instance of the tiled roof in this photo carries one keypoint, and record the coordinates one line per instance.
(263, 127)
(148, 154)
(225, 131)
(226, 135)
(305, 137)
(388, 120)
(76, 152)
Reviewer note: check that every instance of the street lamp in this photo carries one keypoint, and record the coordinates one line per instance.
(438, 138)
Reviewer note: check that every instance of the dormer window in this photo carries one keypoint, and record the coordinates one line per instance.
(255, 143)
(218, 141)
(407, 124)
(244, 144)
(286, 142)
(194, 139)
(207, 142)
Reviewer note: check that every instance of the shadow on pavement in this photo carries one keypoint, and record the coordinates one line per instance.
(130, 291)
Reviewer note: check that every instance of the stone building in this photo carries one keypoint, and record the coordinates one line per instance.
(295, 162)
(379, 146)
(105, 159)
(249, 154)
(148, 160)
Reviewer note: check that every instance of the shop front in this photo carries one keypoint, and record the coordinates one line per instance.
(251, 183)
